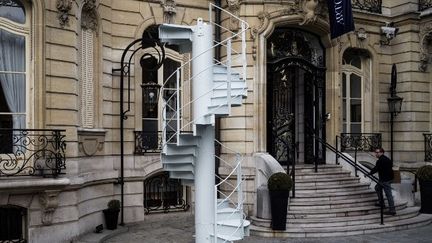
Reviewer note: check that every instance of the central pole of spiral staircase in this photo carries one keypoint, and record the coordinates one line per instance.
(202, 70)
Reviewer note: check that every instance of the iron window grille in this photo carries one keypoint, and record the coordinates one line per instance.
(372, 6)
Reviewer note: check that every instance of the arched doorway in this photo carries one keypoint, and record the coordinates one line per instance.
(295, 96)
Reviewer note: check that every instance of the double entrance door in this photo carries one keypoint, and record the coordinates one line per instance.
(295, 111)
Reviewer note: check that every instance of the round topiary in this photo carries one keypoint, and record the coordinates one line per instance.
(279, 182)
(424, 173)
(114, 204)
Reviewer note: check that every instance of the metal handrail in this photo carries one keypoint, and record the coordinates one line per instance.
(358, 168)
(357, 142)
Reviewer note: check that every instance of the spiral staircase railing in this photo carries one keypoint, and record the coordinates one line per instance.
(175, 124)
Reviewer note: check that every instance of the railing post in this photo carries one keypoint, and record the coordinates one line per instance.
(215, 216)
(240, 193)
(355, 160)
(244, 60)
(337, 149)
(229, 73)
(164, 123)
(178, 105)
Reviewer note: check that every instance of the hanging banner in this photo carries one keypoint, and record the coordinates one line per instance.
(341, 18)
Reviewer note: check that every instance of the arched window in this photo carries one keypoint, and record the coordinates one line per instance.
(355, 91)
(14, 66)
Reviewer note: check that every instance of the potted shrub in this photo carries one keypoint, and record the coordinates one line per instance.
(279, 185)
(111, 214)
(424, 174)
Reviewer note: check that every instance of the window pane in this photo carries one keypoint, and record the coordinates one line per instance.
(12, 10)
(170, 67)
(355, 128)
(343, 85)
(352, 57)
(12, 52)
(355, 86)
(344, 110)
(12, 87)
(355, 110)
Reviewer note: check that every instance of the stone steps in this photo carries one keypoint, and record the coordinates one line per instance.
(327, 181)
(332, 202)
(341, 221)
(323, 188)
(297, 232)
(342, 203)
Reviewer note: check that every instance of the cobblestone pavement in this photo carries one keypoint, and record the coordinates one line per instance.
(179, 227)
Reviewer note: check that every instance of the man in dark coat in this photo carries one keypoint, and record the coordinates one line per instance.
(384, 167)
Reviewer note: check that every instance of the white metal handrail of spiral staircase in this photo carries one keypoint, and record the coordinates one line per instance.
(237, 176)
(171, 133)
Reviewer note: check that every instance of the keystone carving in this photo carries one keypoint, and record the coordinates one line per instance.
(49, 202)
(89, 19)
(309, 8)
(169, 9)
(63, 7)
(425, 42)
(234, 8)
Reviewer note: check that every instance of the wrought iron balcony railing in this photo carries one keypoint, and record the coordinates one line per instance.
(148, 142)
(360, 141)
(424, 4)
(373, 6)
(32, 152)
(428, 146)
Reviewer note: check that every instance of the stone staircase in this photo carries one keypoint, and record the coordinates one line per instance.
(334, 203)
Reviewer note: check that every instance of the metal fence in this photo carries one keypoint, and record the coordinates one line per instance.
(360, 141)
(148, 142)
(32, 152)
(373, 6)
(162, 194)
(424, 4)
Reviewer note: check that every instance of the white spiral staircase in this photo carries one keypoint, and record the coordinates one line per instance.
(216, 87)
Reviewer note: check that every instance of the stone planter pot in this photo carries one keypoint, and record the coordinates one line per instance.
(279, 205)
(111, 218)
(426, 196)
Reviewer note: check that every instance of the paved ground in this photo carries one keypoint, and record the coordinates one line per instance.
(178, 228)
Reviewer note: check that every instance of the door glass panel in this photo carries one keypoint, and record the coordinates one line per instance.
(355, 128)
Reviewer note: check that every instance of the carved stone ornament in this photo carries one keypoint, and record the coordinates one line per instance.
(169, 10)
(63, 7)
(263, 18)
(49, 202)
(309, 8)
(234, 8)
(425, 42)
(89, 20)
(90, 141)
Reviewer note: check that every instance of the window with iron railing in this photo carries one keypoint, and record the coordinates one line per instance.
(372, 6)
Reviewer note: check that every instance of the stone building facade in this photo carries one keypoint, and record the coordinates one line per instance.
(71, 49)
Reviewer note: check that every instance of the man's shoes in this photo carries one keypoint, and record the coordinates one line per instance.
(390, 213)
